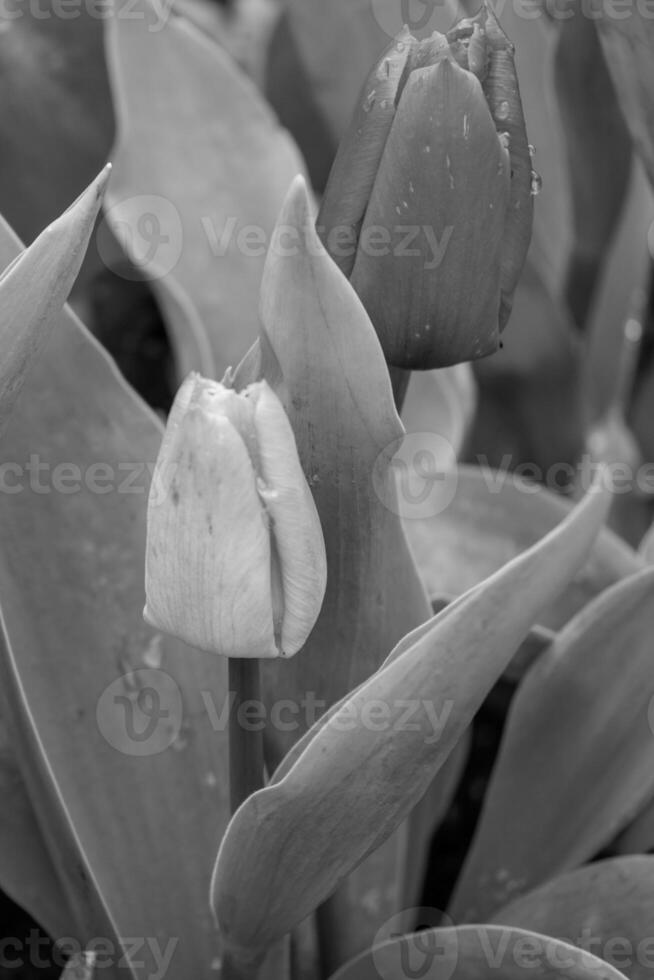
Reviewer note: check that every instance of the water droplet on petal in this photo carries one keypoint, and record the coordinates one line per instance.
(532, 150)
(369, 101)
(536, 184)
(505, 140)
(502, 111)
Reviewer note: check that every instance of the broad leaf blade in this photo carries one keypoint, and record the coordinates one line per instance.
(290, 844)
(322, 355)
(201, 164)
(143, 826)
(607, 908)
(477, 953)
(493, 516)
(577, 759)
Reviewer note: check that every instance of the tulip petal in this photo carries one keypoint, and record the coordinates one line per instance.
(208, 548)
(500, 86)
(440, 198)
(353, 174)
(295, 522)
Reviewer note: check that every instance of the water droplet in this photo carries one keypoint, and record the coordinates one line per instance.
(536, 184)
(210, 780)
(182, 740)
(412, 189)
(427, 149)
(400, 46)
(385, 103)
(532, 150)
(466, 126)
(216, 963)
(369, 101)
(502, 111)
(505, 140)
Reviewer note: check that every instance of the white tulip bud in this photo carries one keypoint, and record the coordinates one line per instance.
(235, 557)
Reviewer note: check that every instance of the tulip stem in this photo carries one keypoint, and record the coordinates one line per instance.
(245, 739)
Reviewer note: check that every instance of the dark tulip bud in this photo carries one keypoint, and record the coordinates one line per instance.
(433, 186)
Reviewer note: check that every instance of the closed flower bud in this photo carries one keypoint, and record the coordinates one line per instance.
(433, 183)
(235, 558)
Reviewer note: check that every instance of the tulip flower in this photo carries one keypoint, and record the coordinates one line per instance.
(428, 209)
(235, 558)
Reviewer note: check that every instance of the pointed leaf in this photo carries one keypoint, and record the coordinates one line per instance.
(606, 908)
(477, 953)
(290, 844)
(492, 516)
(576, 782)
(321, 354)
(35, 287)
(80, 666)
(201, 171)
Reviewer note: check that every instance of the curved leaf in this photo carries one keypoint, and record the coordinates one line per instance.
(577, 758)
(493, 516)
(606, 908)
(201, 170)
(477, 953)
(35, 287)
(290, 844)
(113, 802)
(321, 354)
